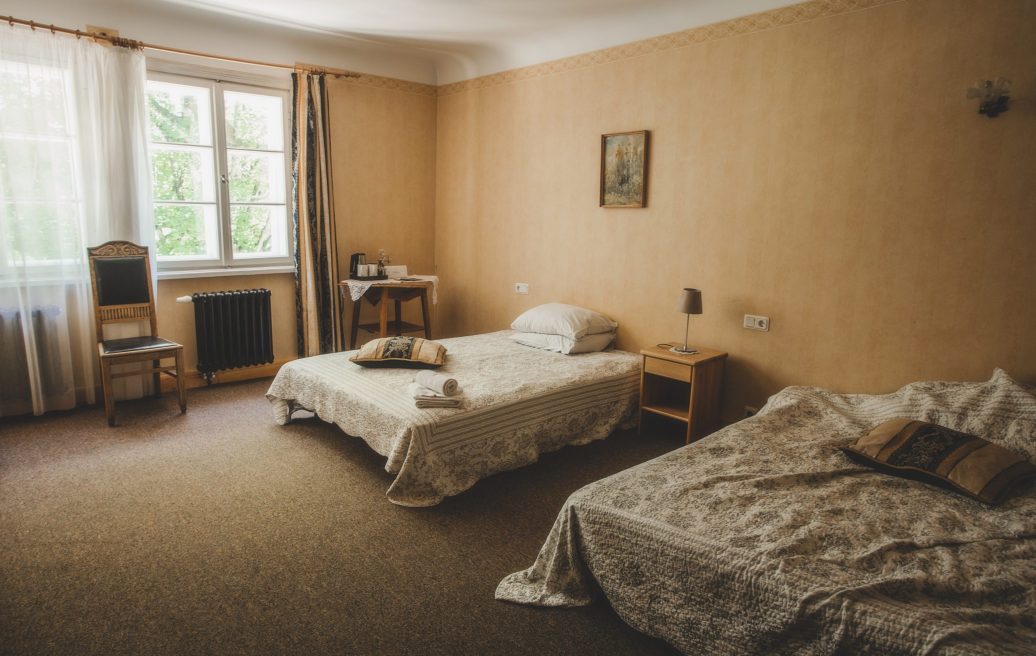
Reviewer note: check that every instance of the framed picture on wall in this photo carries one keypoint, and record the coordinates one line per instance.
(624, 169)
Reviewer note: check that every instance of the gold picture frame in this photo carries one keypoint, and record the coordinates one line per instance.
(624, 169)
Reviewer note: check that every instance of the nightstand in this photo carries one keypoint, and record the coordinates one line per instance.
(685, 388)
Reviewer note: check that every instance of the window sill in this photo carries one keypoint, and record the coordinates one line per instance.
(176, 274)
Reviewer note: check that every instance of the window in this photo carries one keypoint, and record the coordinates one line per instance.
(219, 173)
(40, 187)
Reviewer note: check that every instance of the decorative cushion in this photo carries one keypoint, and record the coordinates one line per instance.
(936, 454)
(566, 320)
(565, 345)
(401, 352)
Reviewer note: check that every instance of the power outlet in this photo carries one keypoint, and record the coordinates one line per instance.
(521, 288)
(756, 322)
(750, 411)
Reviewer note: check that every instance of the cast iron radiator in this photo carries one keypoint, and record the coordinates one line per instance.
(45, 324)
(232, 329)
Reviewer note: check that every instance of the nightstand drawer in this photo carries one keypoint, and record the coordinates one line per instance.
(667, 369)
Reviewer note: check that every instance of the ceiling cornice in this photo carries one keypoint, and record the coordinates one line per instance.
(766, 20)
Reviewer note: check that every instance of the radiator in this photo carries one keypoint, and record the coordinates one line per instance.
(232, 329)
(46, 327)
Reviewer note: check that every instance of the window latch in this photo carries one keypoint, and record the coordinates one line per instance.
(223, 178)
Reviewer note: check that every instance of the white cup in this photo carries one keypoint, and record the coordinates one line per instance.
(365, 270)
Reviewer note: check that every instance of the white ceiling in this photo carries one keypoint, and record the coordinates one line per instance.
(469, 38)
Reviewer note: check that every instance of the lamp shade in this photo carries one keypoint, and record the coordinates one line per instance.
(690, 301)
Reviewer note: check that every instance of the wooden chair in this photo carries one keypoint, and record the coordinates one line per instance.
(120, 275)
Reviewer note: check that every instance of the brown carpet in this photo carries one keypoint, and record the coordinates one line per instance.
(220, 532)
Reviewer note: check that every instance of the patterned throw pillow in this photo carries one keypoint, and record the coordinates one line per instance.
(401, 352)
(936, 454)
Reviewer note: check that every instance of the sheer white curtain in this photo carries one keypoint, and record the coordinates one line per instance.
(73, 173)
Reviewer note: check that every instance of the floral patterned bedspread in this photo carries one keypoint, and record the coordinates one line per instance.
(518, 402)
(765, 538)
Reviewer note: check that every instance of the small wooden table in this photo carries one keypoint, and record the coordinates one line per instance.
(686, 388)
(379, 294)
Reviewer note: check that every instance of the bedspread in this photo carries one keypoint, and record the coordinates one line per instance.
(518, 402)
(765, 538)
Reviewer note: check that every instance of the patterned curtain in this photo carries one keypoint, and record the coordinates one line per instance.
(316, 251)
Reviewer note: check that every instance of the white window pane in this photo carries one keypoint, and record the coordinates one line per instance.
(36, 169)
(37, 233)
(179, 113)
(186, 232)
(183, 173)
(256, 177)
(24, 90)
(259, 231)
(254, 121)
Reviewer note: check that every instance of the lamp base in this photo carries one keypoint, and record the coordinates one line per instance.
(683, 351)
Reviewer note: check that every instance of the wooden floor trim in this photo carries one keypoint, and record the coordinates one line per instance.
(195, 379)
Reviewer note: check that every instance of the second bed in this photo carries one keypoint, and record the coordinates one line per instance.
(765, 538)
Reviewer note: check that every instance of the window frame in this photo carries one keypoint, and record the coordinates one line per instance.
(218, 82)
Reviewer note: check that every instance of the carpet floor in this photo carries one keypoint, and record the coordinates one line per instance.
(219, 532)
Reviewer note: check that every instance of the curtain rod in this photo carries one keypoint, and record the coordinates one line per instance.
(140, 45)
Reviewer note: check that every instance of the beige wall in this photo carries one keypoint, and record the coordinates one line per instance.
(829, 174)
(383, 159)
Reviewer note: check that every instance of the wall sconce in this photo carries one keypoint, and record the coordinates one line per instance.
(993, 95)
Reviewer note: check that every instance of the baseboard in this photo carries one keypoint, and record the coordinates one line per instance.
(195, 379)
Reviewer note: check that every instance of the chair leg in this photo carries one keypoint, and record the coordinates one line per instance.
(106, 388)
(156, 377)
(181, 384)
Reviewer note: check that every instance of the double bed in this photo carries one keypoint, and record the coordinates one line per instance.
(518, 402)
(765, 538)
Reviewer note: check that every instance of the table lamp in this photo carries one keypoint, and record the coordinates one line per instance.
(690, 303)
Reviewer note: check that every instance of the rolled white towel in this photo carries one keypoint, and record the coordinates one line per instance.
(438, 383)
(419, 391)
(426, 398)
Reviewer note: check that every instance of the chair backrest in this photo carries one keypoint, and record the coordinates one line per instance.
(120, 275)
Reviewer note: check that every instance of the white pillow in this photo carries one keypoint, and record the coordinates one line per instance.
(585, 344)
(566, 320)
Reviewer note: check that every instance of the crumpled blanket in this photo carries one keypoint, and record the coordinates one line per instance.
(765, 538)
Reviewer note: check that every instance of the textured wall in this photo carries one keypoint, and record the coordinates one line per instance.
(823, 169)
(383, 158)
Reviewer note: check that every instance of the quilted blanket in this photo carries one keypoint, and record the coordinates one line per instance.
(518, 402)
(765, 538)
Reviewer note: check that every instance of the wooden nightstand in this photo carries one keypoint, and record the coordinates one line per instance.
(683, 387)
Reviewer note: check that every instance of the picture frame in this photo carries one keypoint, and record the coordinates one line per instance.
(624, 169)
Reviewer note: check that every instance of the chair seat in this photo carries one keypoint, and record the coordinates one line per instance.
(131, 344)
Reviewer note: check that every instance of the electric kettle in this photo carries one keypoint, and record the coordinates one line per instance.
(354, 260)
